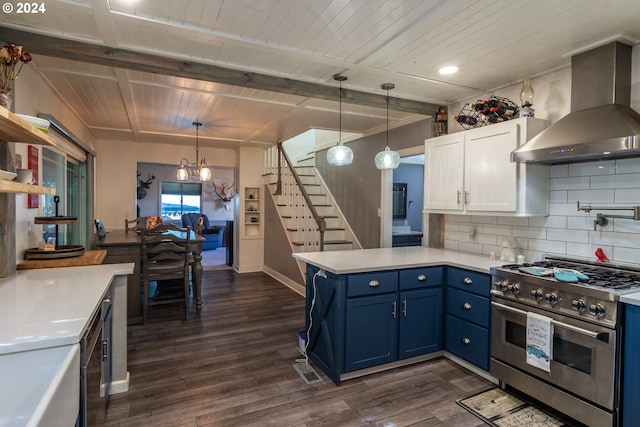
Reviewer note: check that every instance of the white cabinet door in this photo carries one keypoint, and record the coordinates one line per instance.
(443, 173)
(490, 177)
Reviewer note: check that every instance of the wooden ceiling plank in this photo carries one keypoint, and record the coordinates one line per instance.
(104, 55)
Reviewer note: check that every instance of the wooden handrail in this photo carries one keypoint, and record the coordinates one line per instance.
(320, 221)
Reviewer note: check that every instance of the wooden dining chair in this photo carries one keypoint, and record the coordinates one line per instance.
(135, 224)
(165, 256)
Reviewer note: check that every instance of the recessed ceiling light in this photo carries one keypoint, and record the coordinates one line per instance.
(448, 69)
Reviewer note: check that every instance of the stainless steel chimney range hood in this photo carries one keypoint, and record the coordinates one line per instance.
(601, 125)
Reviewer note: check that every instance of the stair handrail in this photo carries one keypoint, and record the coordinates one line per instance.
(320, 221)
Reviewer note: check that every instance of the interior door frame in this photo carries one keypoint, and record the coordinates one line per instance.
(386, 201)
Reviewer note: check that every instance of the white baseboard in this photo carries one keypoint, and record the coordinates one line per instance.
(120, 386)
(293, 285)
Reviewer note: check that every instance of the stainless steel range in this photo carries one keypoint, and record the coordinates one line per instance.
(580, 299)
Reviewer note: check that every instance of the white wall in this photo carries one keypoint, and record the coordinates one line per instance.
(566, 230)
(116, 167)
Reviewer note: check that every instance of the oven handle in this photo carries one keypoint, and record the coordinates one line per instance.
(590, 334)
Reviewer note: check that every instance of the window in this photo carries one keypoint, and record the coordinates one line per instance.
(179, 198)
(68, 177)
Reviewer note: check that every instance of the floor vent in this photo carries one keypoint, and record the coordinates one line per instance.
(307, 373)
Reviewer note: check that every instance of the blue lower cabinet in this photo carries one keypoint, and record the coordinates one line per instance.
(468, 341)
(371, 331)
(631, 371)
(420, 322)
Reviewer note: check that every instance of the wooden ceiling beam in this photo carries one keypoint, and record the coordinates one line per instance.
(128, 59)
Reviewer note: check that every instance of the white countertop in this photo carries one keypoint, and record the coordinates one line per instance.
(362, 260)
(633, 298)
(40, 387)
(51, 307)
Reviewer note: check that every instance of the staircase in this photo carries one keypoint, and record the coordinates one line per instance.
(295, 213)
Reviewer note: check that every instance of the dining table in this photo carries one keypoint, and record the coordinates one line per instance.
(126, 245)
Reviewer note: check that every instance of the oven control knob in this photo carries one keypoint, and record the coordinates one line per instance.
(597, 310)
(502, 285)
(551, 297)
(537, 294)
(514, 288)
(579, 305)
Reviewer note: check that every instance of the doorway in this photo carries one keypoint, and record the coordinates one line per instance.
(411, 173)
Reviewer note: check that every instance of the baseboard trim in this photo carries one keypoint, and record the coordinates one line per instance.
(473, 368)
(288, 282)
(120, 386)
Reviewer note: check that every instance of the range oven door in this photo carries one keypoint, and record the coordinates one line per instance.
(584, 354)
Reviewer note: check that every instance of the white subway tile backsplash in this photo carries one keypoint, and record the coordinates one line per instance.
(625, 180)
(627, 166)
(593, 168)
(586, 197)
(629, 196)
(548, 221)
(567, 235)
(559, 171)
(513, 220)
(571, 183)
(559, 196)
(530, 232)
(626, 255)
(566, 231)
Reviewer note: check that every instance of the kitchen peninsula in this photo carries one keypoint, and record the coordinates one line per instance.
(43, 315)
(375, 309)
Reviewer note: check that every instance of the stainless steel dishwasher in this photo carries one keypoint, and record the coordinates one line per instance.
(95, 366)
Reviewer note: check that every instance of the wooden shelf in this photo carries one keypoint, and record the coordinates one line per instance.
(18, 187)
(14, 129)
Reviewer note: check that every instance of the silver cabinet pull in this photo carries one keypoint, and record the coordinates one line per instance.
(466, 306)
(458, 197)
(467, 281)
(404, 307)
(374, 284)
(395, 306)
(422, 277)
(465, 341)
(105, 349)
(466, 197)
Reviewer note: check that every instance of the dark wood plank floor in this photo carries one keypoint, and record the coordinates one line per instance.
(232, 366)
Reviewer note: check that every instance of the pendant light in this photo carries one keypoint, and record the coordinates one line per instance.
(186, 169)
(387, 159)
(340, 155)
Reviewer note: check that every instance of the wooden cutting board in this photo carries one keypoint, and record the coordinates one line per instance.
(94, 257)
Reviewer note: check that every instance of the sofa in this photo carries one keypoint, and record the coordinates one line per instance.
(213, 235)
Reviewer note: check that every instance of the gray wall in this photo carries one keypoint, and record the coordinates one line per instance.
(356, 188)
(413, 176)
(277, 250)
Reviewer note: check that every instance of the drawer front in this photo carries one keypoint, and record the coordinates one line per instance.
(468, 306)
(414, 278)
(372, 283)
(469, 281)
(468, 341)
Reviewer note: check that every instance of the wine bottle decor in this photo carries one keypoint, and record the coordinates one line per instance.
(484, 112)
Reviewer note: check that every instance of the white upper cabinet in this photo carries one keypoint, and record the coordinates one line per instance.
(471, 172)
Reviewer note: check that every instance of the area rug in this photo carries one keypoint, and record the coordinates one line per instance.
(498, 408)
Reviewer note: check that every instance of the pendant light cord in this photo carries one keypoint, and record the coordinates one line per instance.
(387, 117)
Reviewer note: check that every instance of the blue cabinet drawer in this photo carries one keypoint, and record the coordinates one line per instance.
(468, 341)
(469, 281)
(468, 306)
(414, 278)
(372, 283)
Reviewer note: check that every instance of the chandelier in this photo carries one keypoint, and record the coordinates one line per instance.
(340, 155)
(387, 159)
(199, 169)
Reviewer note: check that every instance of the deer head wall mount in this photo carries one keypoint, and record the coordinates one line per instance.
(224, 192)
(143, 185)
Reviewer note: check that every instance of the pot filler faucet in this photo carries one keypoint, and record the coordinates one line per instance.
(602, 219)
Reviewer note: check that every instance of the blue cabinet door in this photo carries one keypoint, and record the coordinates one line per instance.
(631, 376)
(371, 333)
(420, 322)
